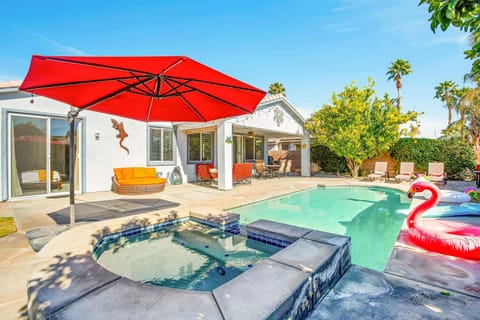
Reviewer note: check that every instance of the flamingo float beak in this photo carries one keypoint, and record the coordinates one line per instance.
(410, 194)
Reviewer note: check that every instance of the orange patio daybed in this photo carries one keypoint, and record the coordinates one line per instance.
(137, 180)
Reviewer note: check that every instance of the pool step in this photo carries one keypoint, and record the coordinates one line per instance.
(225, 221)
(291, 282)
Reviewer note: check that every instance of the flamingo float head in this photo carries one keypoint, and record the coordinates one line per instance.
(424, 206)
(422, 186)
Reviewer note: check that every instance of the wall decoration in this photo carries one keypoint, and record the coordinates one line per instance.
(278, 116)
(122, 134)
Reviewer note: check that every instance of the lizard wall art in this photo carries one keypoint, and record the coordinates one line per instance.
(122, 134)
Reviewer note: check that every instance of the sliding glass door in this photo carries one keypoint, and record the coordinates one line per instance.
(39, 152)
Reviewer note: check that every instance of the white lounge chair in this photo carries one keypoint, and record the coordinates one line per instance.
(379, 172)
(406, 172)
(436, 172)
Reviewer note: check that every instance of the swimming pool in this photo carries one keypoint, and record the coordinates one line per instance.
(369, 215)
(184, 256)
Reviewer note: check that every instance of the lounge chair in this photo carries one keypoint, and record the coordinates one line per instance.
(406, 172)
(379, 172)
(436, 172)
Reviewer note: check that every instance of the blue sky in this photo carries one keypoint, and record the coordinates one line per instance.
(313, 47)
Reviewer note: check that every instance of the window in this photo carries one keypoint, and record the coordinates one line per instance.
(200, 147)
(285, 146)
(254, 148)
(161, 145)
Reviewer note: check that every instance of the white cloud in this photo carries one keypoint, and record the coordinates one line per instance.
(59, 46)
(460, 39)
(55, 44)
(341, 27)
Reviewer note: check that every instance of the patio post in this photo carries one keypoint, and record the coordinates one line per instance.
(305, 155)
(72, 114)
(224, 155)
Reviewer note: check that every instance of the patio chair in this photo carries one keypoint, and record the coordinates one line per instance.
(406, 172)
(205, 172)
(260, 168)
(288, 168)
(379, 172)
(436, 172)
(281, 170)
(242, 172)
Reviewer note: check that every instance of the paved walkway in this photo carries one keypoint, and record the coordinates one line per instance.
(17, 255)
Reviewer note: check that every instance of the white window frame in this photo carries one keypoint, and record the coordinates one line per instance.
(174, 146)
(201, 160)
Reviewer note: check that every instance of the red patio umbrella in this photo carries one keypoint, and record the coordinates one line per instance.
(167, 88)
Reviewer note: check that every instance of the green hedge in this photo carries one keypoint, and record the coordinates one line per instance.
(456, 154)
(327, 160)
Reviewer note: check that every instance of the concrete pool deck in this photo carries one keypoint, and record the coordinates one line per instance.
(17, 256)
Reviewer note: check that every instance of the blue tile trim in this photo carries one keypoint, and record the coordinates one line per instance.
(269, 240)
(112, 237)
(231, 227)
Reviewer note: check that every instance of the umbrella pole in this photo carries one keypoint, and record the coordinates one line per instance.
(72, 114)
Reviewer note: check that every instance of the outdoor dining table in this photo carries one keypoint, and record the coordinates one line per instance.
(272, 169)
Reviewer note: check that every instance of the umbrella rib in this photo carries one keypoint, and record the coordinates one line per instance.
(214, 97)
(72, 83)
(95, 65)
(143, 84)
(145, 92)
(107, 97)
(173, 65)
(214, 83)
(187, 102)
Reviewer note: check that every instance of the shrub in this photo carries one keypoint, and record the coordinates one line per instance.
(456, 154)
(327, 160)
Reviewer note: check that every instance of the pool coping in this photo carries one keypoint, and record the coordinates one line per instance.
(67, 282)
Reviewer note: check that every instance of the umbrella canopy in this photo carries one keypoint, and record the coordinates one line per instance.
(169, 88)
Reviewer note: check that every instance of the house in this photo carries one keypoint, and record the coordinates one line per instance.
(35, 151)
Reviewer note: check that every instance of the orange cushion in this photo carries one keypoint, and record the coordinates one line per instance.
(144, 172)
(139, 181)
(118, 173)
(127, 173)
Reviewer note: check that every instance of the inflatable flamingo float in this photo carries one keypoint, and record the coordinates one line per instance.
(443, 236)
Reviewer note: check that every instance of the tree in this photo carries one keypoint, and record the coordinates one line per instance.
(445, 91)
(398, 69)
(463, 14)
(469, 109)
(462, 106)
(357, 125)
(277, 88)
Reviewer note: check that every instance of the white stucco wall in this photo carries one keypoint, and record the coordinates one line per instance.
(100, 156)
(275, 117)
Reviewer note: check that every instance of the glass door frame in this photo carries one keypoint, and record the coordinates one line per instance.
(48, 117)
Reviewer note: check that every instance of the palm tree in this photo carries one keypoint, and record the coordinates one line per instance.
(468, 108)
(445, 91)
(398, 69)
(277, 88)
(462, 104)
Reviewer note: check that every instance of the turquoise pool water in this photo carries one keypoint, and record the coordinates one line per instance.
(185, 256)
(370, 216)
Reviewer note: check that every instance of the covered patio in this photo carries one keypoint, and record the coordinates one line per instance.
(242, 139)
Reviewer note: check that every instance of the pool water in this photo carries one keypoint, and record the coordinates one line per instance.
(186, 256)
(372, 217)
